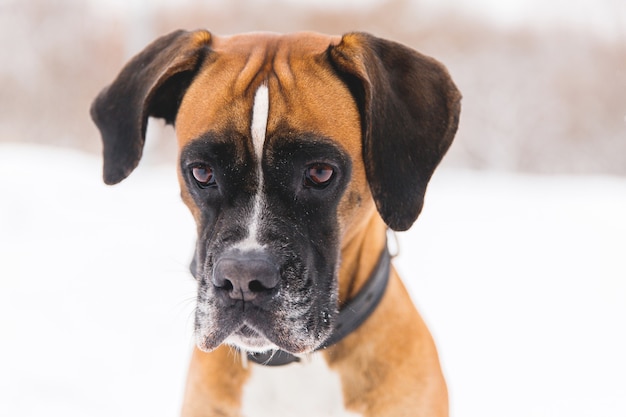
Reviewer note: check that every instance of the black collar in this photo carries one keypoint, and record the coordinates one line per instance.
(351, 316)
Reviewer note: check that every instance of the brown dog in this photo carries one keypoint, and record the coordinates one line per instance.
(297, 152)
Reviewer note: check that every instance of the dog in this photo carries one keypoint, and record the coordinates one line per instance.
(297, 154)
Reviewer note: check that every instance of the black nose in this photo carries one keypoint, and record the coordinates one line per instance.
(245, 276)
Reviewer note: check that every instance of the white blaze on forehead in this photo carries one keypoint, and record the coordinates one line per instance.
(258, 130)
(260, 113)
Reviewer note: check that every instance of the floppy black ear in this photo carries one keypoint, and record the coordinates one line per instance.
(409, 110)
(151, 84)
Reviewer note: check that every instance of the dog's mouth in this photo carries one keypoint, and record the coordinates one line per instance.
(251, 340)
(245, 337)
(247, 332)
(258, 331)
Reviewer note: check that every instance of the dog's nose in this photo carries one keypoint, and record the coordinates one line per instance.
(245, 276)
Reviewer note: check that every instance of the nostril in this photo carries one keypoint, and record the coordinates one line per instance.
(227, 285)
(222, 282)
(257, 286)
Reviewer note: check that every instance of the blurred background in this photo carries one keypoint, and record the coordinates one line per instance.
(517, 263)
(543, 80)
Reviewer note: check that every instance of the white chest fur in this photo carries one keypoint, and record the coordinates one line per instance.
(309, 389)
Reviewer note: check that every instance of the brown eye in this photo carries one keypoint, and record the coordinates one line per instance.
(203, 175)
(318, 175)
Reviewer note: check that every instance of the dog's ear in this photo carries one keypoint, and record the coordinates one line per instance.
(409, 108)
(151, 84)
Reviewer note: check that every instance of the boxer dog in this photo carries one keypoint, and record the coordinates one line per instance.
(296, 154)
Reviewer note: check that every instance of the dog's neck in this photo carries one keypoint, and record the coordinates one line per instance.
(359, 256)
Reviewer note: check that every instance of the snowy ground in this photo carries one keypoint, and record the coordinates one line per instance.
(521, 278)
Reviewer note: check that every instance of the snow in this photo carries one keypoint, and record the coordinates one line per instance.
(521, 278)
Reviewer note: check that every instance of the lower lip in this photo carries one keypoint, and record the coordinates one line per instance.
(247, 331)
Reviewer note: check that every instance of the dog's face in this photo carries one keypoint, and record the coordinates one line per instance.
(273, 176)
(288, 146)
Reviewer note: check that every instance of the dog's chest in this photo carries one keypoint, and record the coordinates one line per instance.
(309, 389)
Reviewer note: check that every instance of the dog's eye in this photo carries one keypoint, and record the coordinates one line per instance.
(203, 174)
(318, 175)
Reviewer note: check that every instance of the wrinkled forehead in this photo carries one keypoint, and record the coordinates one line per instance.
(303, 92)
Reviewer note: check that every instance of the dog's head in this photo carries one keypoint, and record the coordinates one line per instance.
(288, 145)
